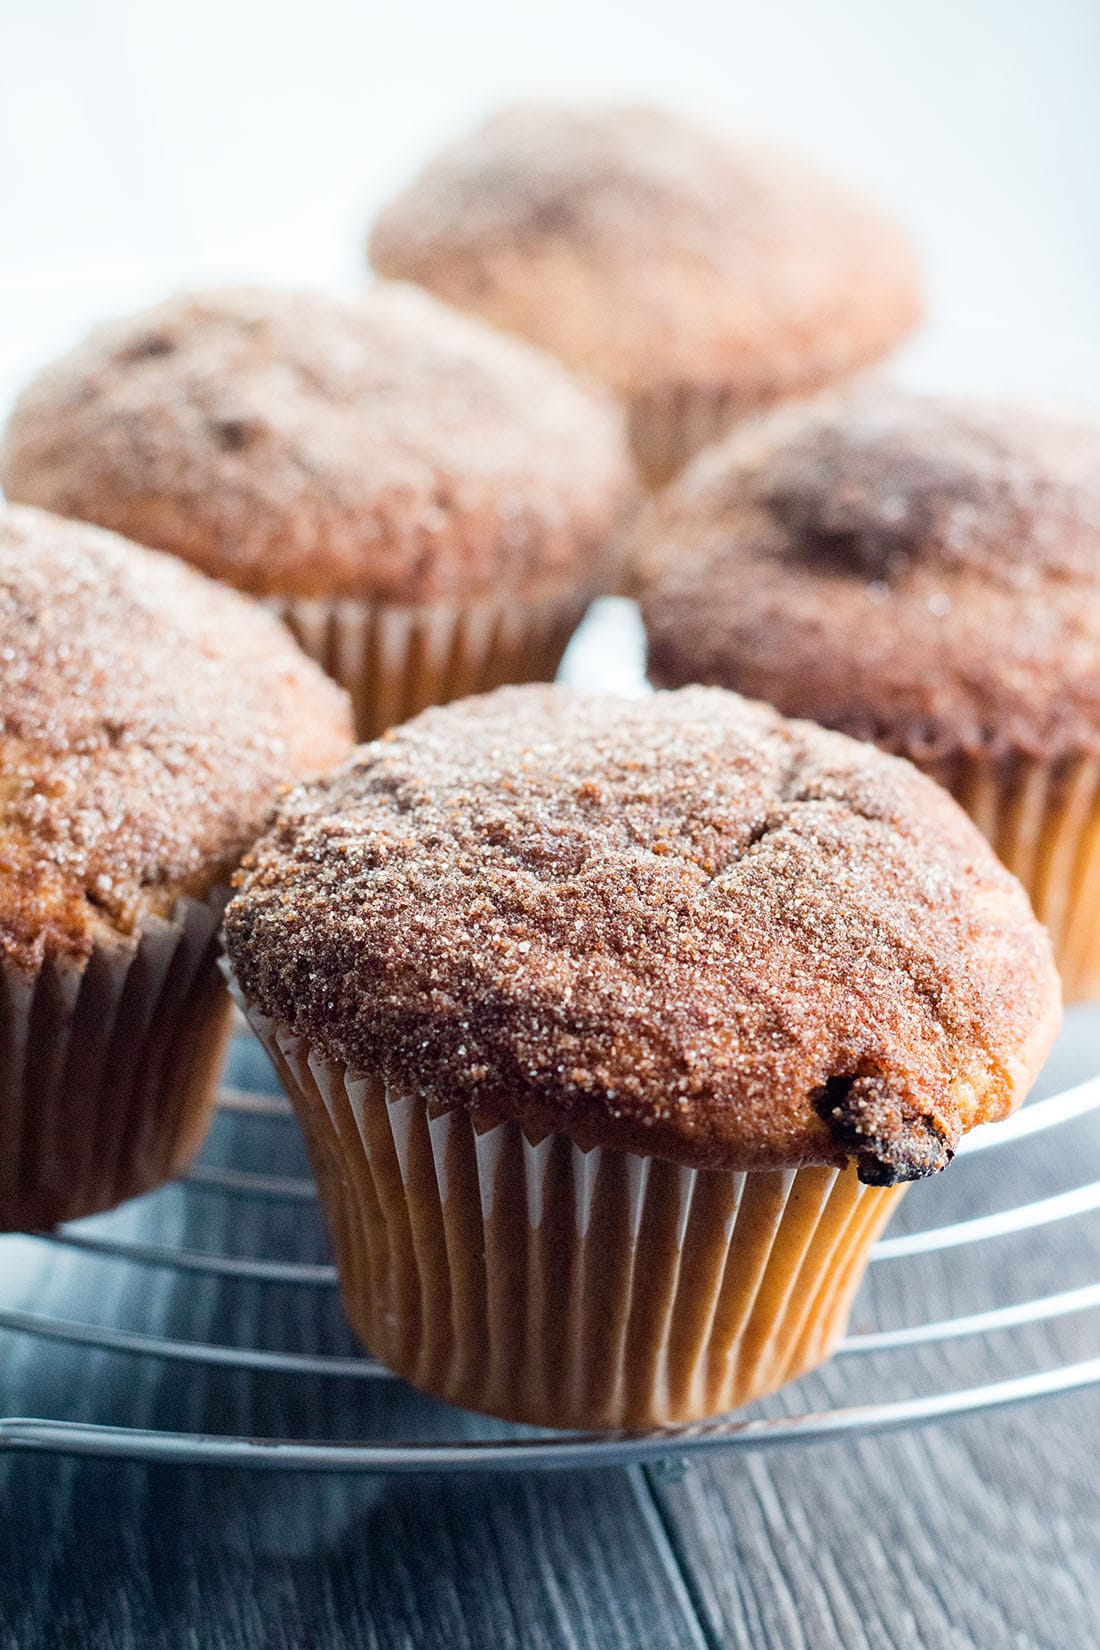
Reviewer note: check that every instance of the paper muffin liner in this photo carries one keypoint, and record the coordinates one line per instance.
(108, 1068)
(669, 426)
(537, 1282)
(1043, 821)
(395, 661)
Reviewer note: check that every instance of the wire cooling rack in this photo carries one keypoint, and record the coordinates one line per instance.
(142, 1382)
(150, 1246)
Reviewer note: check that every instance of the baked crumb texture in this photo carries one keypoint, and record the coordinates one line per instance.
(682, 927)
(651, 253)
(300, 445)
(148, 719)
(919, 571)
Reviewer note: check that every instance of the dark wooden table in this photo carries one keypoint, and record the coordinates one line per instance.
(979, 1533)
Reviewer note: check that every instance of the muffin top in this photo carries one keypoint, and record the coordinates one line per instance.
(681, 926)
(297, 444)
(148, 718)
(650, 252)
(921, 571)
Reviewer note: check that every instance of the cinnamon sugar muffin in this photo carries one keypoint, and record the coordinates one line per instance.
(698, 275)
(428, 505)
(148, 719)
(615, 1028)
(924, 572)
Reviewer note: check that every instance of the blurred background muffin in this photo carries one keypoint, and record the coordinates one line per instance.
(148, 720)
(700, 276)
(613, 1027)
(923, 572)
(429, 505)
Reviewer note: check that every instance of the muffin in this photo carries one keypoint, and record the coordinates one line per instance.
(923, 572)
(698, 275)
(429, 506)
(615, 1029)
(148, 719)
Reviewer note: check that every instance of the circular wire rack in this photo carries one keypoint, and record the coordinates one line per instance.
(115, 1243)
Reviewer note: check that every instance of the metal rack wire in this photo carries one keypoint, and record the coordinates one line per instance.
(516, 1448)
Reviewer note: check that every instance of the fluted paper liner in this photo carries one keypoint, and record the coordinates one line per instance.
(538, 1282)
(1043, 821)
(669, 426)
(395, 661)
(108, 1068)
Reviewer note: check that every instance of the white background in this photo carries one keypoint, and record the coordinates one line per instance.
(145, 141)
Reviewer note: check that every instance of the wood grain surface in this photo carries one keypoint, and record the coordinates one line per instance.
(982, 1533)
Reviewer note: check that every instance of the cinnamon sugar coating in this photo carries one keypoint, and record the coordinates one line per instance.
(292, 443)
(920, 571)
(652, 253)
(148, 719)
(681, 926)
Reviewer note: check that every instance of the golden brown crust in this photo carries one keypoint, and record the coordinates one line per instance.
(295, 444)
(920, 571)
(681, 926)
(652, 254)
(148, 719)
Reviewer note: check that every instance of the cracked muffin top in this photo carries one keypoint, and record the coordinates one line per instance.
(650, 252)
(921, 571)
(295, 444)
(681, 926)
(148, 719)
